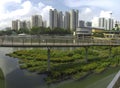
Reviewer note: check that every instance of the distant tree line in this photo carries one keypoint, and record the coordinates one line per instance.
(36, 31)
(42, 30)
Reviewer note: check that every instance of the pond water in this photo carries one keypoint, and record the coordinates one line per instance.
(14, 76)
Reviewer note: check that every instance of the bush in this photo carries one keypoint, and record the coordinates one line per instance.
(89, 67)
(23, 66)
(79, 75)
(77, 56)
(99, 69)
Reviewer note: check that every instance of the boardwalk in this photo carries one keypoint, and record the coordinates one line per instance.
(30, 41)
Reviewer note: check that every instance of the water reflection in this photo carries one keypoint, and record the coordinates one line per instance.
(15, 77)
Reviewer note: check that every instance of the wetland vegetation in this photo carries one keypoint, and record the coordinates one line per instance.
(68, 64)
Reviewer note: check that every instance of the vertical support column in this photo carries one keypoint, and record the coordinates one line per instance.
(39, 39)
(12, 41)
(23, 40)
(86, 54)
(110, 49)
(2, 40)
(31, 39)
(48, 61)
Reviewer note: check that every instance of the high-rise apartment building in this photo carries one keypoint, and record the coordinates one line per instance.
(106, 23)
(88, 24)
(36, 21)
(77, 18)
(44, 23)
(60, 20)
(73, 19)
(81, 23)
(53, 18)
(22, 25)
(67, 20)
(117, 23)
(70, 20)
(28, 24)
(15, 24)
(102, 23)
(110, 24)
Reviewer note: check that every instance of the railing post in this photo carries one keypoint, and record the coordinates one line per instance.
(86, 54)
(2, 40)
(31, 40)
(48, 61)
(115, 82)
(12, 41)
(110, 49)
(39, 39)
(23, 40)
(66, 42)
(110, 42)
(46, 41)
(54, 42)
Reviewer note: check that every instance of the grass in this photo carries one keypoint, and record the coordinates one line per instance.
(92, 81)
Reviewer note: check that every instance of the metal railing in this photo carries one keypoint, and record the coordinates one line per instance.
(38, 41)
(115, 83)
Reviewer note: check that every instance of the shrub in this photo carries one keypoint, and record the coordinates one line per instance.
(99, 69)
(79, 75)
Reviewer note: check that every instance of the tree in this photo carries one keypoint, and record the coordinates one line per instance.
(35, 30)
(24, 30)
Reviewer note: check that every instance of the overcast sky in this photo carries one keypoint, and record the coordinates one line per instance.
(88, 9)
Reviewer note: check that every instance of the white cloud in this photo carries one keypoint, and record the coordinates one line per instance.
(73, 3)
(25, 11)
(6, 17)
(106, 4)
(95, 21)
(4, 2)
(26, 6)
(4, 24)
(88, 10)
(106, 14)
(45, 13)
(41, 5)
(85, 14)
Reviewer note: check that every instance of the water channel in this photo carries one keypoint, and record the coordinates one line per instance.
(14, 76)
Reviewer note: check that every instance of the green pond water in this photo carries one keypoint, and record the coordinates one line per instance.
(2, 81)
(92, 81)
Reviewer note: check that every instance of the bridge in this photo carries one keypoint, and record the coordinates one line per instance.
(51, 41)
(37, 41)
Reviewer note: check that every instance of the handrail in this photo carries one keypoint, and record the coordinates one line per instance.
(115, 82)
(38, 41)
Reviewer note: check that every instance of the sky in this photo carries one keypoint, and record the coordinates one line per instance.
(89, 10)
